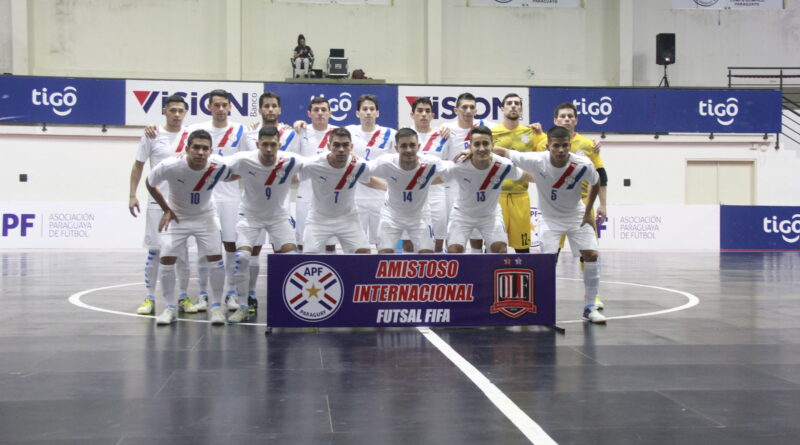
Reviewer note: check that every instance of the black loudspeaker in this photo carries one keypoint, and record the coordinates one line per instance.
(665, 49)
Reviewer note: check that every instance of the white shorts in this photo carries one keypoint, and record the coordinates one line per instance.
(580, 238)
(205, 230)
(301, 212)
(490, 228)
(346, 228)
(251, 231)
(228, 218)
(437, 200)
(152, 238)
(418, 230)
(369, 213)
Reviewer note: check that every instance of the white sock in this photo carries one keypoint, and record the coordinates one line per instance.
(591, 281)
(168, 283)
(151, 273)
(255, 268)
(241, 268)
(230, 264)
(182, 272)
(202, 275)
(216, 276)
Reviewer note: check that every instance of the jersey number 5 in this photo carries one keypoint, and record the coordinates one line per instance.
(553, 195)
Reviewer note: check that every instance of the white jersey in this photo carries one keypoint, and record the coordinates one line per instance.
(371, 145)
(190, 191)
(265, 188)
(312, 143)
(431, 143)
(333, 188)
(164, 145)
(479, 190)
(289, 139)
(458, 140)
(407, 194)
(225, 141)
(558, 189)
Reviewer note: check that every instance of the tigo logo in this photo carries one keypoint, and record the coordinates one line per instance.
(597, 111)
(197, 105)
(340, 106)
(784, 227)
(61, 101)
(722, 111)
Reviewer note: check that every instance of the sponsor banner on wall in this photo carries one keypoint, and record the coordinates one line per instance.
(717, 111)
(144, 100)
(759, 228)
(618, 110)
(342, 98)
(62, 100)
(727, 4)
(661, 227)
(489, 101)
(528, 3)
(410, 290)
(79, 225)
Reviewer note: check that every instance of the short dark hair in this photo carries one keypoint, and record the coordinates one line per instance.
(341, 132)
(300, 36)
(218, 93)
(511, 95)
(318, 100)
(268, 95)
(269, 131)
(557, 132)
(175, 99)
(404, 133)
(464, 96)
(198, 134)
(561, 106)
(424, 100)
(481, 129)
(365, 97)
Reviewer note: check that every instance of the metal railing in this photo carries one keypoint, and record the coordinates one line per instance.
(784, 78)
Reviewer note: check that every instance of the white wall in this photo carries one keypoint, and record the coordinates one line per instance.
(6, 38)
(402, 43)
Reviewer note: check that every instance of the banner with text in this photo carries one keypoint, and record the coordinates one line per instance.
(728, 4)
(759, 228)
(80, 225)
(62, 100)
(661, 227)
(342, 98)
(144, 100)
(528, 3)
(410, 290)
(489, 102)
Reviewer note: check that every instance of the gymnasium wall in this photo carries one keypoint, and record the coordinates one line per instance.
(605, 43)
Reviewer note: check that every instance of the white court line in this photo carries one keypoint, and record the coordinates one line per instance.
(692, 301)
(522, 421)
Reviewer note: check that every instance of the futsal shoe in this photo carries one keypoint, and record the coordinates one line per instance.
(148, 307)
(230, 301)
(592, 315)
(169, 316)
(252, 304)
(241, 314)
(202, 302)
(217, 314)
(187, 306)
(598, 303)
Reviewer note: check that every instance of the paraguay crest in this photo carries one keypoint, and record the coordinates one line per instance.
(513, 292)
(312, 291)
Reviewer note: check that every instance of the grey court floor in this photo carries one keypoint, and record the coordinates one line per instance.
(724, 371)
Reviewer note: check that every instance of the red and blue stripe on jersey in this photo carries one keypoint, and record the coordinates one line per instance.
(345, 177)
(286, 171)
(419, 174)
(491, 176)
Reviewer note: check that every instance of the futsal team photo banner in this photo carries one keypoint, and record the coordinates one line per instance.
(83, 101)
(410, 290)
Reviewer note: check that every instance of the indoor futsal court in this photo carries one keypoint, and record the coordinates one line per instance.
(700, 348)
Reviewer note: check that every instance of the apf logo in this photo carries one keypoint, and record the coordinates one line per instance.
(340, 106)
(728, 109)
(58, 100)
(22, 222)
(598, 112)
(785, 227)
(445, 107)
(197, 104)
(705, 3)
(312, 291)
